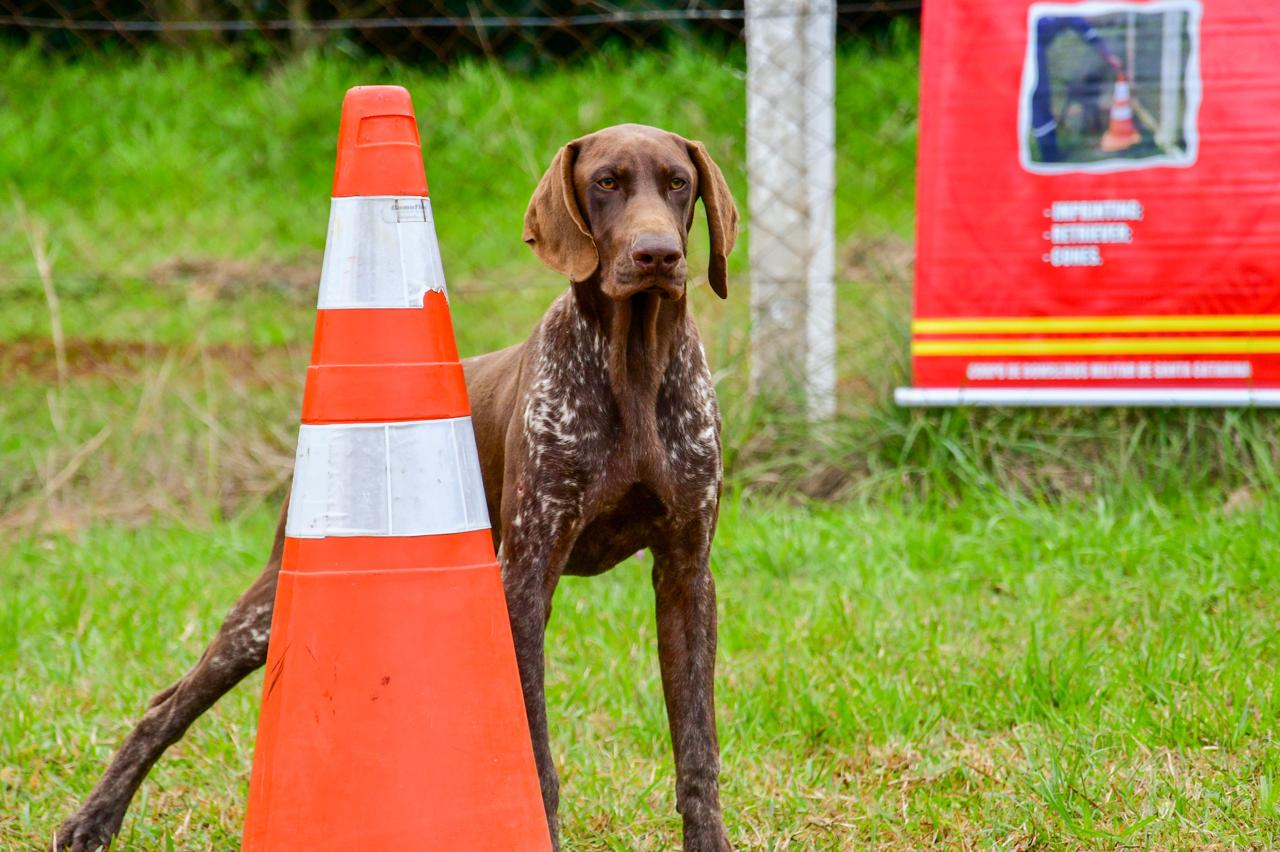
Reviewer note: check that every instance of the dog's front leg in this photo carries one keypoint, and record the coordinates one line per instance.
(533, 553)
(686, 609)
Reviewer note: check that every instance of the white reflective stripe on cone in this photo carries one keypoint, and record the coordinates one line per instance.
(383, 479)
(381, 252)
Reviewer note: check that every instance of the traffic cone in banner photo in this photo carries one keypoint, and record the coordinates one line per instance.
(1121, 135)
(392, 715)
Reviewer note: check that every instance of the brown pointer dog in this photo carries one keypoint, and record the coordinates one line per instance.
(598, 436)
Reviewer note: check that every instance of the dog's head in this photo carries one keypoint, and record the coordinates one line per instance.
(618, 205)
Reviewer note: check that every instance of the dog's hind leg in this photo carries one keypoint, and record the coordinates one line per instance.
(239, 648)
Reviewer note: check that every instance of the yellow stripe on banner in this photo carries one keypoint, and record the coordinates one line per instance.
(1085, 325)
(1101, 346)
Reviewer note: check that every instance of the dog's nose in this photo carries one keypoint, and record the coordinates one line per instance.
(656, 253)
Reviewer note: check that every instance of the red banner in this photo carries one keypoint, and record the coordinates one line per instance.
(1099, 203)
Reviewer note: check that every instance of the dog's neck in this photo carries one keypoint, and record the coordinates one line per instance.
(640, 335)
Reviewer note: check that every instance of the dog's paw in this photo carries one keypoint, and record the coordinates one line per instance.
(707, 838)
(85, 831)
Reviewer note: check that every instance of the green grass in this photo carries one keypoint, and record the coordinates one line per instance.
(189, 155)
(1086, 675)
(182, 199)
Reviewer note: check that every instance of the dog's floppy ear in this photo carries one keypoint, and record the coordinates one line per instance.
(722, 215)
(553, 224)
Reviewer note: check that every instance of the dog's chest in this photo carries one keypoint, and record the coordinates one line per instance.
(585, 443)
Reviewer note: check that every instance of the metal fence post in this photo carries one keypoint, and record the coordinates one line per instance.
(791, 195)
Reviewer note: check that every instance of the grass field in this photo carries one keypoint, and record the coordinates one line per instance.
(996, 675)
(1014, 630)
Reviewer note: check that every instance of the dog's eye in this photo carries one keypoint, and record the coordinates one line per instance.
(679, 183)
(607, 183)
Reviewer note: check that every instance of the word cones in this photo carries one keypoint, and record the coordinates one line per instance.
(392, 715)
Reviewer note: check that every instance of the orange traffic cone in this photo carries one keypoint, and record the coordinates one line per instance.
(392, 715)
(1121, 135)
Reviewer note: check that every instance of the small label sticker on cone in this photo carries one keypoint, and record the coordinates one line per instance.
(410, 210)
(387, 479)
(381, 253)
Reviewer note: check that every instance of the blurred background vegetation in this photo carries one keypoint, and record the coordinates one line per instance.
(165, 168)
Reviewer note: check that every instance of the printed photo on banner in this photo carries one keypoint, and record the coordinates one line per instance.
(1110, 86)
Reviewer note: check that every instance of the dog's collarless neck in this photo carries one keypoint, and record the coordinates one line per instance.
(636, 337)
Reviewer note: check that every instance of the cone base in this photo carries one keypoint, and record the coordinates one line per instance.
(1113, 143)
(392, 717)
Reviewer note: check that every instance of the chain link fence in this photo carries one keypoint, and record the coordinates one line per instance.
(523, 33)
